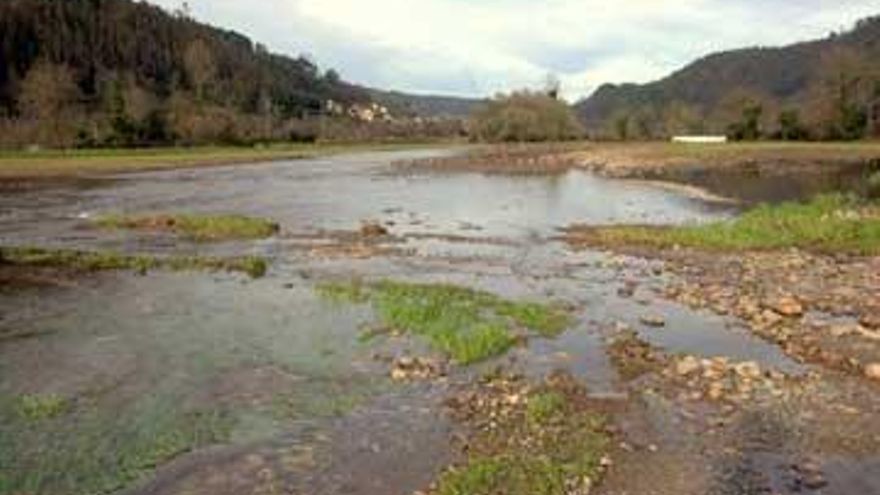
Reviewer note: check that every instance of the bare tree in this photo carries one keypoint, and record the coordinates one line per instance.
(552, 86)
(200, 66)
(48, 98)
(47, 91)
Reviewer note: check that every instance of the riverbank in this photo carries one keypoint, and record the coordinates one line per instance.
(749, 172)
(803, 276)
(658, 159)
(61, 164)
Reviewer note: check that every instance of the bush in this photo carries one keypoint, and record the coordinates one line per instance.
(525, 117)
(873, 186)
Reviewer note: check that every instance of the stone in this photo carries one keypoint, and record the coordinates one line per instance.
(871, 321)
(372, 229)
(815, 482)
(653, 321)
(716, 391)
(838, 331)
(770, 317)
(687, 366)
(749, 369)
(872, 371)
(788, 306)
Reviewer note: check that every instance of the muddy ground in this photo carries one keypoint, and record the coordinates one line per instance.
(739, 374)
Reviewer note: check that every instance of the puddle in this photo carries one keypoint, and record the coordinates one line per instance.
(757, 186)
(836, 475)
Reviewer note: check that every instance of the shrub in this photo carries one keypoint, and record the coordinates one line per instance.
(873, 186)
(525, 117)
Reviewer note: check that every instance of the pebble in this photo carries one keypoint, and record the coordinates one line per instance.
(872, 371)
(687, 366)
(788, 306)
(653, 321)
(870, 321)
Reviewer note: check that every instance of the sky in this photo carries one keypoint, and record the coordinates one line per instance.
(481, 47)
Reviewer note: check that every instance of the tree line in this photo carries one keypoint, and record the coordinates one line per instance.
(121, 73)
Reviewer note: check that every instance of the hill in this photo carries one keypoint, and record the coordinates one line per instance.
(823, 89)
(407, 104)
(123, 73)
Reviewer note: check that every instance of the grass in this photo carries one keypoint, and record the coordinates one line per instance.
(544, 406)
(78, 456)
(467, 325)
(668, 152)
(41, 407)
(60, 163)
(550, 446)
(97, 261)
(832, 223)
(201, 228)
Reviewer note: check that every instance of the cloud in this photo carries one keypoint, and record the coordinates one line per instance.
(480, 47)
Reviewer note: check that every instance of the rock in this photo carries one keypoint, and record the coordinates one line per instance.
(872, 371)
(373, 229)
(770, 317)
(870, 321)
(620, 326)
(814, 481)
(716, 391)
(788, 306)
(653, 321)
(838, 331)
(687, 366)
(411, 369)
(749, 369)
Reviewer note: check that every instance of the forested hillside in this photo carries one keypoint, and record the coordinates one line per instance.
(426, 105)
(117, 72)
(826, 89)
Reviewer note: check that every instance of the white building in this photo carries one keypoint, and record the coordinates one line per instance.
(700, 139)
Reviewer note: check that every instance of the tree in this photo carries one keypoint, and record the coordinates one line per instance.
(525, 116)
(134, 113)
(682, 118)
(200, 66)
(553, 86)
(749, 127)
(332, 77)
(621, 126)
(47, 91)
(845, 87)
(48, 97)
(790, 126)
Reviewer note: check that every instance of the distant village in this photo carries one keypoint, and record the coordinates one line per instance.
(369, 113)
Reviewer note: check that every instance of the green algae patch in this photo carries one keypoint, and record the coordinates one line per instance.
(465, 324)
(108, 260)
(74, 453)
(201, 228)
(35, 408)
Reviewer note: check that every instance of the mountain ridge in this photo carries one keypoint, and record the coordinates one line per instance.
(776, 77)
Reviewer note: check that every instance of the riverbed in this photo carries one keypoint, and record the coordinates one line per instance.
(262, 386)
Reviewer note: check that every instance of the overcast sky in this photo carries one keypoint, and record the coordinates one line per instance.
(479, 47)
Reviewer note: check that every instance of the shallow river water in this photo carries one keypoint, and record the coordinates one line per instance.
(300, 402)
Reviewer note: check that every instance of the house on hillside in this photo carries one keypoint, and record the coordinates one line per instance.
(369, 113)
